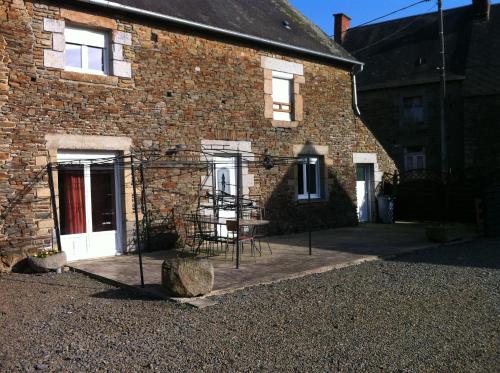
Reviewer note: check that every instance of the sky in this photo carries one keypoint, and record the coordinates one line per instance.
(321, 11)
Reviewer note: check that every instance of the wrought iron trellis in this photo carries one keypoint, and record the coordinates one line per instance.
(182, 158)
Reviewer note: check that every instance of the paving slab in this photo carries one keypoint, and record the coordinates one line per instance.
(334, 248)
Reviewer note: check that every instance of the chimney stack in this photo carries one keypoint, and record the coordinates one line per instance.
(481, 8)
(341, 25)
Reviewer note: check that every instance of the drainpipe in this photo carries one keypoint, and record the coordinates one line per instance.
(355, 70)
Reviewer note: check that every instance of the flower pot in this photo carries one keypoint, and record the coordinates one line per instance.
(49, 263)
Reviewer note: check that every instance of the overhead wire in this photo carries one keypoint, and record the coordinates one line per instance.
(393, 12)
(401, 29)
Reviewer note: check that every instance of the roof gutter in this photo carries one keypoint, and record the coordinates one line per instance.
(218, 30)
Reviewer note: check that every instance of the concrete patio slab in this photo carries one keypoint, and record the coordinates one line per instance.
(334, 248)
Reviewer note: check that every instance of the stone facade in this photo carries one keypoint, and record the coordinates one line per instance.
(482, 133)
(381, 110)
(167, 87)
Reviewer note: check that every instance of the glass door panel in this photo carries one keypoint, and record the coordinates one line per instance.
(103, 202)
(72, 199)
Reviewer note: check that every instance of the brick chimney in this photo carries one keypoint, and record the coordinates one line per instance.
(481, 8)
(341, 25)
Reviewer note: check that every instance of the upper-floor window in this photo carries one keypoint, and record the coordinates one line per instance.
(308, 177)
(414, 158)
(282, 96)
(86, 50)
(413, 110)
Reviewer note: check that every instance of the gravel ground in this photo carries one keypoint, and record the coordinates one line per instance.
(434, 310)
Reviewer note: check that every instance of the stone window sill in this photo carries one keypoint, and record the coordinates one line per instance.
(284, 123)
(89, 78)
(313, 201)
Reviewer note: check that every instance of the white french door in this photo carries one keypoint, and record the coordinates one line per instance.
(89, 186)
(364, 178)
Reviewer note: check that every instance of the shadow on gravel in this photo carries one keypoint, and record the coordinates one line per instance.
(124, 294)
(36, 279)
(484, 253)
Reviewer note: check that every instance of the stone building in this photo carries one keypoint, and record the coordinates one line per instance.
(399, 87)
(82, 81)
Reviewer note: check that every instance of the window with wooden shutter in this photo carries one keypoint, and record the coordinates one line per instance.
(282, 96)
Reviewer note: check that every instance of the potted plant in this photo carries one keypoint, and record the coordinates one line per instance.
(47, 261)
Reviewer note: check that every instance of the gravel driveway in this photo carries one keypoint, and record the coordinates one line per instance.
(434, 310)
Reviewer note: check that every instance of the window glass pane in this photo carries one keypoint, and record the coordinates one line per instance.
(418, 114)
(278, 115)
(73, 55)
(360, 173)
(223, 180)
(413, 109)
(300, 178)
(312, 179)
(409, 163)
(102, 189)
(420, 161)
(72, 199)
(96, 61)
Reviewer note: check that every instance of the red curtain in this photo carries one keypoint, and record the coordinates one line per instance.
(72, 188)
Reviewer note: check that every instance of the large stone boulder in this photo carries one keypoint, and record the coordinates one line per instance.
(187, 277)
(47, 264)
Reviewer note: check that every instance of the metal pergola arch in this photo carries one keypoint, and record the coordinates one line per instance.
(180, 157)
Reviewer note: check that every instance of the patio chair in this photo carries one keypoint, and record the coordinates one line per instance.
(207, 234)
(191, 236)
(232, 238)
(260, 232)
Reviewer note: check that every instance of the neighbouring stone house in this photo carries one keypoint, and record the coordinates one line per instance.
(399, 87)
(399, 98)
(88, 80)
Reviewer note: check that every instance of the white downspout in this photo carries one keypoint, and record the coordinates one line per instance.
(355, 106)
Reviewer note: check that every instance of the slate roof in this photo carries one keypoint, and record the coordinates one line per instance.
(406, 50)
(260, 18)
(483, 61)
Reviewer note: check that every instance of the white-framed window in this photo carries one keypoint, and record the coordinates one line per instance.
(282, 96)
(414, 159)
(413, 110)
(86, 50)
(308, 177)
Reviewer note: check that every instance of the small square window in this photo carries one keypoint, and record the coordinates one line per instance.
(414, 159)
(308, 178)
(282, 96)
(413, 110)
(86, 51)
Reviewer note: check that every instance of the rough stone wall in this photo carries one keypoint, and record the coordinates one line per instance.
(24, 215)
(482, 134)
(381, 111)
(184, 88)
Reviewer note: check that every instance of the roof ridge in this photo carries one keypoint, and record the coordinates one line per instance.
(263, 25)
(326, 40)
(408, 18)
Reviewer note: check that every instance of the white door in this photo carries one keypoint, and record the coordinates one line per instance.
(89, 188)
(363, 173)
(225, 177)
